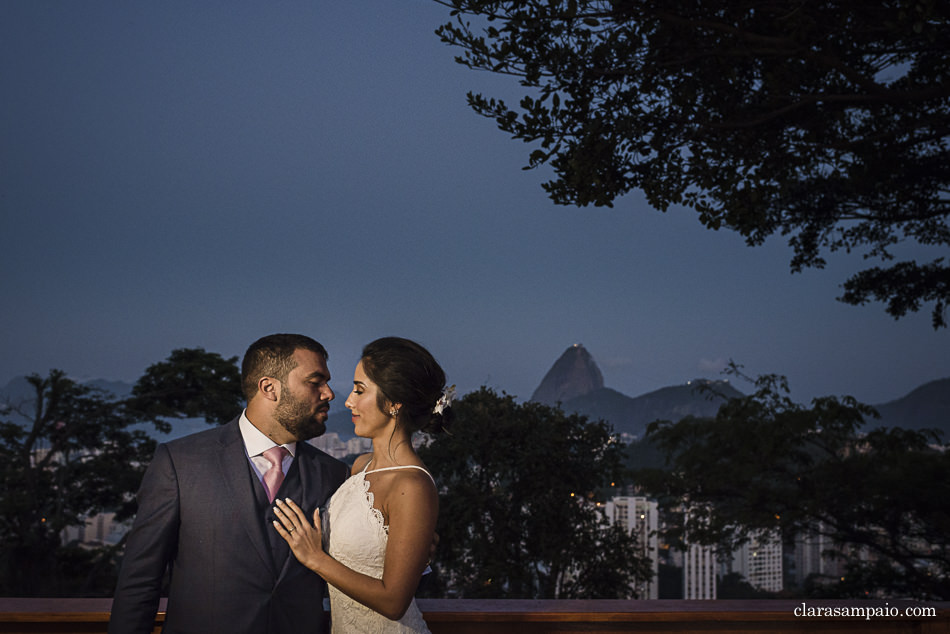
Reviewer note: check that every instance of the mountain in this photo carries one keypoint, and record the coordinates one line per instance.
(576, 383)
(927, 407)
(18, 389)
(119, 389)
(631, 415)
(19, 393)
(574, 374)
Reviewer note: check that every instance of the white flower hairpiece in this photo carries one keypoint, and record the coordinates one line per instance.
(448, 395)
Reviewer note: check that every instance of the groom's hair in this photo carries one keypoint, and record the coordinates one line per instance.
(273, 356)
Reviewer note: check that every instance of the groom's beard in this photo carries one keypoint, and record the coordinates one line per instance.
(299, 418)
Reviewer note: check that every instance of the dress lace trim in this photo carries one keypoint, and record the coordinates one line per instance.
(371, 499)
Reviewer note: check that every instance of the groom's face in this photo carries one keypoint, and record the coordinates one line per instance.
(304, 403)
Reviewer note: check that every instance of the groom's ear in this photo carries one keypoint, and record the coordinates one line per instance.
(268, 388)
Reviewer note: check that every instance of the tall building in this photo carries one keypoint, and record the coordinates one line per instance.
(99, 529)
(759, 561)
(699, 572)
(331, 443)
(358, 445)
(817, 556)
(699, 568)
(640, 516)
(812, 557)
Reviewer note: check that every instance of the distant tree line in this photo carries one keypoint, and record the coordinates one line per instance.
(766, 462)
(520, 485)
(71, 451)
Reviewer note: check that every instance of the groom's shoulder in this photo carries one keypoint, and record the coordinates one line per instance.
(201, 439)
(318, 456)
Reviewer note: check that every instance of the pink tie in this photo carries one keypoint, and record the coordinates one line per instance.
(275, 475)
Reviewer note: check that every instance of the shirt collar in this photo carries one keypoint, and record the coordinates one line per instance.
(255, 442)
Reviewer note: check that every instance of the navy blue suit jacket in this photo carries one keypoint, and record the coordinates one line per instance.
(197, 514)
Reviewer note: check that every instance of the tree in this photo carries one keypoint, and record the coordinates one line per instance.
(826, 122)
(519, 517)
(766, 462)
(75, 457)
(191, 383)
(734, 586)
(73, 451)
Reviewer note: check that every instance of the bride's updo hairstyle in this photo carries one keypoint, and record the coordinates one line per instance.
(406, 373)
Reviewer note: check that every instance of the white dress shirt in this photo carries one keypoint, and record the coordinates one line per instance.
(256, 443)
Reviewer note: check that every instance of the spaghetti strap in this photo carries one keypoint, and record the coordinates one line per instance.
(408, 466)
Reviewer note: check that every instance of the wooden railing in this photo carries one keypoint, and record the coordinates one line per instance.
(444, 616)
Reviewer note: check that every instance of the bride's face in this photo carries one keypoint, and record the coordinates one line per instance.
(368, 419)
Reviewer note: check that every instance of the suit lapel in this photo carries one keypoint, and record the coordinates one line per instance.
(312, 477)
(309, 475)
(233, 466)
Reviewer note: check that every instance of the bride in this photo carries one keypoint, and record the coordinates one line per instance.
(380, 522)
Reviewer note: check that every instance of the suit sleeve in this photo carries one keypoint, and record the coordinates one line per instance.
(150, 546)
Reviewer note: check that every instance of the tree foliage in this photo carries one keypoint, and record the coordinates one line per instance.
(518, 516)
(191, 383)
(71, 451)
(74, 457)
(766, 462)
(825, 122)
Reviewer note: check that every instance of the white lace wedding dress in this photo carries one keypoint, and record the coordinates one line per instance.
(357, 538)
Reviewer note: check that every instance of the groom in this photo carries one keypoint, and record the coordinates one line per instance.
(205, 512)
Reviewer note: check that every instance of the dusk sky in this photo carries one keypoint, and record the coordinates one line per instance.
(199, 174)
